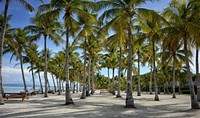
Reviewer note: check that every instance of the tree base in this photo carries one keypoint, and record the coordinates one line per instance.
(156, 98)
(174, 96)
(150, 93)
(195, 104)
(83, 97)
(1, 103)
(45, 96)
(88, 95)
(118, 96)
(138, 94)
(130, 106)
(113, 93)
(70, 102)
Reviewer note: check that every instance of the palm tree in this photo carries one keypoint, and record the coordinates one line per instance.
(49, 28)
(17, 43)
(181, 18)
(126, 10)
(2, 34)
(119, 39)
(173, 54)
(59, 61)
(140, 46)
(69, 8)
(86, 33)
(31, 58)
(151, 22)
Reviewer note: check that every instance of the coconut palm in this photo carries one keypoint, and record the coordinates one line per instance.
(181, 16)
(126, 10)
(31, 57)
(117, 39)
(87, 33)
(59, 61)
(151, 22)
(69, 8)
(174, 55)
(140, 47)
(2, 34)
(17, 44)
(48, 28)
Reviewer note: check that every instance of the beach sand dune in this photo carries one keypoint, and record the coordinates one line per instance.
(99, 106)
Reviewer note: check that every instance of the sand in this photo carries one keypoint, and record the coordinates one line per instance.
(99, 106)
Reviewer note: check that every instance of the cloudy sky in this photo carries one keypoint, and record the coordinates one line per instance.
(20, 18)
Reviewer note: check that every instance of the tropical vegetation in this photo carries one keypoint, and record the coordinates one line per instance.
(117, 35)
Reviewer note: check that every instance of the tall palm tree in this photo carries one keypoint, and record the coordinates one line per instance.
(151, 22)
(181, 18)
(120, 9)
(173, 54)
(31, 57)
(117, 39)
(69, 8)
(17, 44)
(86, 34)
(59, 61)
(2, 34)
(49, 28)
(140, 46)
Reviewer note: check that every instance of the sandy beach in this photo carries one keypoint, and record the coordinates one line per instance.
(99, 106)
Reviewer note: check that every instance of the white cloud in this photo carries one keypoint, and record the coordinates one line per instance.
(13, 75)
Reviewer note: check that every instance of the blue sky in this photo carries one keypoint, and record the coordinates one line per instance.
(21, 18)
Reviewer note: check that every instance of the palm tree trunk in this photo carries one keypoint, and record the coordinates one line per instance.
(22, 70)
(113, 84)
(154, 71)
(54, 84)
(179, 88)
(150, 86)
(49, 88)
(139, 87)
(33, 79)
(197, 73)
(74, 87)
(68, 99)
(40, 81)
(129, 96)
(83, 95)
(2, 34)
(92, 84)
(63, 86)
(59, 83)
(45, 68)
(89, 84)
(174, 74)
(194, 102)
(109, 77)
(77, 85)
(119, 72)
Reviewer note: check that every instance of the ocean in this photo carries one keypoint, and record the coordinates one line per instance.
(16, 88)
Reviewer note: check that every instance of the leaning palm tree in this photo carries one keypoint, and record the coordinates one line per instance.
(2, 34)
(181, 18)
(17, 44)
